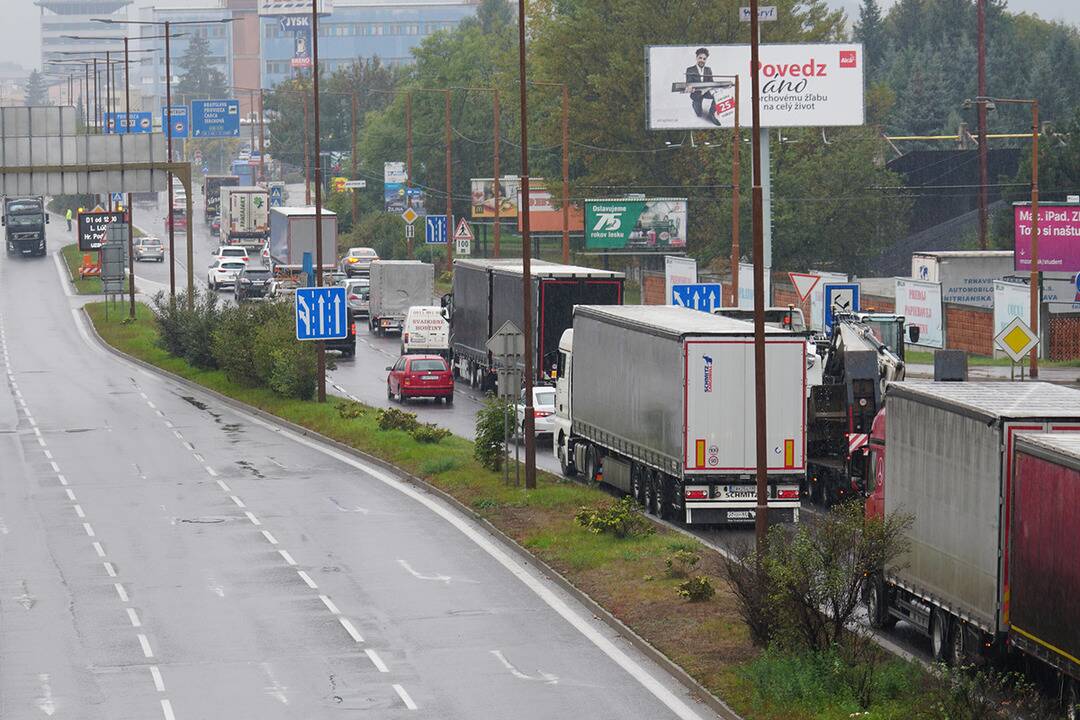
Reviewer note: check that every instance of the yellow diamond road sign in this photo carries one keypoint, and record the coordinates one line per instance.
(1016, 339)
(409, 216)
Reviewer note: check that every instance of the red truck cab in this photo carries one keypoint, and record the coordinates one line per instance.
(874, 467)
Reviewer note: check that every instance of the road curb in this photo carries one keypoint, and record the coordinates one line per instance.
(699, 691)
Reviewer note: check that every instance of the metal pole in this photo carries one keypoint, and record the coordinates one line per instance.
(307, 159)
(262, 137)
(97, 97)
(355, 194)
(736, 171)
(168, 140)
(984, 171)
(526, 261)
(111, 70)
(86, 94)
(497, 140)
(130, 209)
(1034, 374)
(449, 187)
(408, 166)
(565, 175)
(251, 113)
(190, 244)
(320, 345)
(761, 520)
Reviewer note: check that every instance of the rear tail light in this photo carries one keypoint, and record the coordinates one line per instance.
(541, 413)
(696, 494)
(788, 495)
(352, 329)
(354, 297)
(405, 337)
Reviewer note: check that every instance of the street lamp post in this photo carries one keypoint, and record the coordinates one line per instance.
(528, 432)
(320, 344)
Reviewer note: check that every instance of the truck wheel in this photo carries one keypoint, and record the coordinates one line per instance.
(637, 483)
(876, 609)
(567, 467)
(958, 644)
(652, 493)
(667, 498)
(939, 635)
(590, 464)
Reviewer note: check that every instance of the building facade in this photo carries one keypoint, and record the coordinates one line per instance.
(74, 17)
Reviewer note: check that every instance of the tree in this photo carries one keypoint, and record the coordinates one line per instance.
(869, 31)
(37, 92)
(201, 79)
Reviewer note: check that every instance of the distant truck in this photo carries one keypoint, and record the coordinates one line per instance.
(24, 221)
(245, 216)
(487, 293)
(212, 185)
(243, 170)
(395, 286)
(658, 401)
(292, 233)
(995, 519)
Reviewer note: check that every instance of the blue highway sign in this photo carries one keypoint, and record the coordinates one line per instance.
(277, 195)
(215, 118)
(117, 198)
(120, 124)
(698, 296)
(840, 298)
(175, 122)
(435, 230)
(322, 313)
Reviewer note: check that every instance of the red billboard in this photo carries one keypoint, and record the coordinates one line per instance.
(544, 213)
(1059, 237)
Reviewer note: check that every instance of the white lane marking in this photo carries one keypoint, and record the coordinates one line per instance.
(440, 578)
(110, 569)
(65, 278)
(143, 395)
(276, 463)
(210, 471)
(33, 422)
(55, 467)
(166, 710)
(307, 579)
(79, 511)
(89, 530)
(223, 486)
(134, 618)
(168, 424)
(45, 703)
(99, 550)
(199, 458)
(350, 628)
(41, 441)
(238, 501)
(48, 455)
(146, 651)
(62, 479)
(178, 435)
(37, 431)
(275, 688)
(152, 405)
(330, 605)
(254, 520)
(269, 538)
(121, 592)
(376, 660)
(159, 413)
(405, 698)
(159, 683)
(189, 446)
(287, 557)
(70, 494)
(3, 527)
(544, 677)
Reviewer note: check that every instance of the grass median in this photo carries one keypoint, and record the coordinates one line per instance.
(73, 259)
(630, 577)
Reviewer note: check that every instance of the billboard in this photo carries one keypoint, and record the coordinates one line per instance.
(1059, 237)
(1011, 300)
(678, 271)
(293, 7)
(920, 304)
(544, 214)
(636, 225)
(807, 85)
(93, 227)
(483, 197)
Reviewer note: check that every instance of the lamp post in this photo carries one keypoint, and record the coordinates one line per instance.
(321, 345)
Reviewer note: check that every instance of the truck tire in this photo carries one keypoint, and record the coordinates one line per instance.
(590, 464)
(652, 493)
(939, 635)
(567, 467)
(877, 610)
(667, 499)
(637, 483)
(958, 653)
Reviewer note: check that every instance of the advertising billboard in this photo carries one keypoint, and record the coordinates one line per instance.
(483, 197)
(544, 213)
(920, 304)
(1011, 300)
(678, 271)
(1059, 237)
(636, 225)
(293, 7)
(301, 48)
(394, 180)
(807, 85)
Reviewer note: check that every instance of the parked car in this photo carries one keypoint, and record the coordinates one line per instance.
(232, 252)
(149, 247)
(543, 411)
(420, 376)
(252, 282)
(358, 294)
(224, 272)
(358, 261)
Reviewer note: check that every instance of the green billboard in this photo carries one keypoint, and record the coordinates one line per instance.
(635, 224)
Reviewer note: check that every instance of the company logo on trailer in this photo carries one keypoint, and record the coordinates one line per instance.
(708, 373)
(847, 59)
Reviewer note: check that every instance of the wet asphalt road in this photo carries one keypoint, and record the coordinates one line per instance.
(162, 555)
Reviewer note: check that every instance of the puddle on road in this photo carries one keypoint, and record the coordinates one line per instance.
(203, 520)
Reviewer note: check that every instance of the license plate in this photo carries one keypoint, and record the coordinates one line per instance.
(429, 377)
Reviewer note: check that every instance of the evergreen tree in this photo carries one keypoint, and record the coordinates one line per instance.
(37, 92)
(201, 79)
(869, 31)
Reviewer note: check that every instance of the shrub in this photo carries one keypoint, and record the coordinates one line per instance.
(394, 419)
(430, 433)
(488, 449)
(185, 333)
(620, 518)
(233, 343)
(280, 361)
(350, 410)
(167, 315)
(696, 589)
(681, 563)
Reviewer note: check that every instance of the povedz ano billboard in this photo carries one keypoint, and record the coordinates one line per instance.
(811, 85)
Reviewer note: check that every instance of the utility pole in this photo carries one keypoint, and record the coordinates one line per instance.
(1034, 282)
(497, 141)
(761, 519)
(984, 151)
(449, 188)
(408, 164)
(130, 209)
(565, 175)
(97, 97)
(262, 136)
(735, 177)
(355, 194)
(320, 345)
(86, 95)
(526, 260)
(168, 141)
(307, 158)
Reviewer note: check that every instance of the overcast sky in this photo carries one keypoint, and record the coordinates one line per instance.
(20, 35)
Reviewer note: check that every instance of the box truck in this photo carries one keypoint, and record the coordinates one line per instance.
(395, 286)
(487, 293)
(245, 216)
(292, 233)
(658, 401)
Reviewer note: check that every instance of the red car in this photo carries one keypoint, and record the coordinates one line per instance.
(420, 376)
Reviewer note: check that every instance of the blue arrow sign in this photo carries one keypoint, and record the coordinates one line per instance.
(435, 230)
(175, 122)
(698, 296)
(322, 313)
(215, 118)
(840, 298)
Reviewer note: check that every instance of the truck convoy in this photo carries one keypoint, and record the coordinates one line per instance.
(658, 401)
(396, 286)
(487, 293)
(245, 216)
(292, 233)
(988, 473)
(24, 222)
(212, 185)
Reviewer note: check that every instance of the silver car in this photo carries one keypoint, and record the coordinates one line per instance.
(149, 247)
(543, 411)
(358, 293)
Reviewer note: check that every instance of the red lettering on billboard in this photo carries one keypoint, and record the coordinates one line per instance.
(847, 58)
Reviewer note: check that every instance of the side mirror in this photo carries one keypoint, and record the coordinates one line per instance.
(388, 368)
(913, 333)
(46, 218)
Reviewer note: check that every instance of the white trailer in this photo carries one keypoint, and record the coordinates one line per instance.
(245, 216)
(658, 401)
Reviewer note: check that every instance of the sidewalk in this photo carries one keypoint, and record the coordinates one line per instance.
(1059, 375)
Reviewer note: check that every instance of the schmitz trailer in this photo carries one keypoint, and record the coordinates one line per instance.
(941, 452)
(487, 293)
(658, 401)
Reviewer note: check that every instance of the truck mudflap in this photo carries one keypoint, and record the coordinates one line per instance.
(738, 513)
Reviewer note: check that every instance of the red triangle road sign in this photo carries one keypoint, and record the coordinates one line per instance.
(463, 231)
(804, 283)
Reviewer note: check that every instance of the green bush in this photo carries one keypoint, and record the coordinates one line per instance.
(167, 315)
(488, 449)
(681, 563)
(350, 410)
(430, 433)
(233, 344)
(696, 589)
(620, 518)
(394, 419)
(188, 333)
(281, 362)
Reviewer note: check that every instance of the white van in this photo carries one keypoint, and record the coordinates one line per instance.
(425, 330)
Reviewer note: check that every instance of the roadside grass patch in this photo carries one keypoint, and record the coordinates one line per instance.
(72, 257)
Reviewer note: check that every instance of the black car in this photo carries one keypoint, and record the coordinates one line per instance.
(347, 345)
(252, 282)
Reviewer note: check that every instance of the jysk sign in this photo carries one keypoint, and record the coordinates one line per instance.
(93, 227)
(635, 225)
(215, 118)
(175, 122)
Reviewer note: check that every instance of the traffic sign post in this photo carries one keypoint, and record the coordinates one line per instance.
(698, 296)
(409, 216)
(355, 184)
(321, 313)
(410, 231)
(215, 118)
(840, 298)
(463, 238)
(507, 348)
(435, 230)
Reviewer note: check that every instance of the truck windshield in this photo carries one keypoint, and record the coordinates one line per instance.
(25, 219)
(885, 331)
